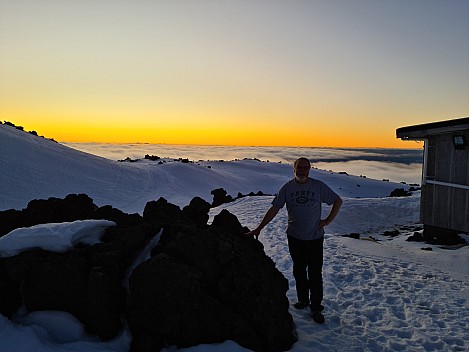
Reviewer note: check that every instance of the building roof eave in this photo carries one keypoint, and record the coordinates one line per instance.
(420, 132)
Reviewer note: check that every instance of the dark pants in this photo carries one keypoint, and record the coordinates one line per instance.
(307, 257)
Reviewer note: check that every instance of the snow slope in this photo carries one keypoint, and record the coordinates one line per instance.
(384, 295)
(39, 168)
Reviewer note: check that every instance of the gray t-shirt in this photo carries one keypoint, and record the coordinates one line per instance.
(304, 207)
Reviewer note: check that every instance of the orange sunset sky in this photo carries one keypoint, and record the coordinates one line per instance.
(331, 73)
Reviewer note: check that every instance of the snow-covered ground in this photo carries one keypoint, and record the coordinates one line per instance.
(384, 295)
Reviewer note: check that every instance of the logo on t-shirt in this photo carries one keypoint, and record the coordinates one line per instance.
(302, 199)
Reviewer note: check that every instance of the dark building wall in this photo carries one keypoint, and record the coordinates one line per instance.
(442, 205)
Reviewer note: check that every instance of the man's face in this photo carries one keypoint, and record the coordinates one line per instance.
(301, 170)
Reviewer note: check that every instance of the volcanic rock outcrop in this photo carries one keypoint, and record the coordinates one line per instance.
(202, 284)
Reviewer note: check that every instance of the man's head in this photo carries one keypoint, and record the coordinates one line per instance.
(301, 169)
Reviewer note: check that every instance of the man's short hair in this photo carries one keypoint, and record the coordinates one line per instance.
(302, 159)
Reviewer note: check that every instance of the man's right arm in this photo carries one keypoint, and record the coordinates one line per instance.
(269, 215)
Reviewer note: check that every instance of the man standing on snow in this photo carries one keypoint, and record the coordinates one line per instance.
(303, 197)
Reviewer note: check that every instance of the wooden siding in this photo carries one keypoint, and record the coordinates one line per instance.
(446, 206)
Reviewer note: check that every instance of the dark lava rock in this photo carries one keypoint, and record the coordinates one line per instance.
(207, 286)
(203, 283)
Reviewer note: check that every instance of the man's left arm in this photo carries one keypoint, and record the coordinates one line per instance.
(332, 214)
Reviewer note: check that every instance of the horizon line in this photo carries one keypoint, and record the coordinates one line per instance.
(237, 145)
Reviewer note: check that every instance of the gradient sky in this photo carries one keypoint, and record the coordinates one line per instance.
(298, 73)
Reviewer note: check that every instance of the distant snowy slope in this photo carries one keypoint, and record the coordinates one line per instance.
(37, 168)
(34, 167)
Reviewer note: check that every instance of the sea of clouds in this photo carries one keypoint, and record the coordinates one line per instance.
(397, 165)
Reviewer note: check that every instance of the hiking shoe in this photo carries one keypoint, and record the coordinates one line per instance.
(301, 305)
(317, 317)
